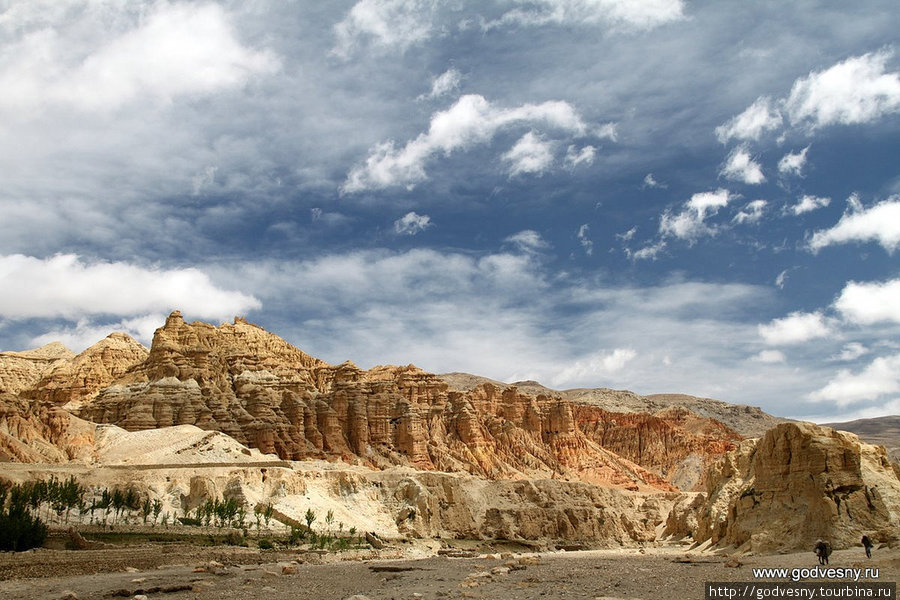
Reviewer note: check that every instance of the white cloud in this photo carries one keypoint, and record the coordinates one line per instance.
(879, 223)
(470, 121)
(758, 118)
(87, 332)
(575, 157)
(527, 240)
(808, 204)
(740, 166)
(624, 14)
(608, 131)
(869, 303)
(411, 224)
(443, 84)
(647, 252)
(651, 182)
(751, 213)
(530, 154)
(781, 279)
(625, 237)
(851, 352)
(177, 49)
(594, 367)
(769, 357)
(385, 24)
(795, 328)
(585, 240)
(857, 90)
(690, 224)
(65, 286)
(879, 378)
(793, 163)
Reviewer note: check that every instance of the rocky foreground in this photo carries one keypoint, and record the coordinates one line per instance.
(246, 575)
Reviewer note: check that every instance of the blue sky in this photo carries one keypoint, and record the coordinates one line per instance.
(658, 195)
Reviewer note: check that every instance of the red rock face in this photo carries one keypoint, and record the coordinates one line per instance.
(674, 443)
(254, 386)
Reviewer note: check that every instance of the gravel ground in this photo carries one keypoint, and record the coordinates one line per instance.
(174, 572)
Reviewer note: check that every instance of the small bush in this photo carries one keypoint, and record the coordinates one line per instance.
(265, 544)
(233, 538)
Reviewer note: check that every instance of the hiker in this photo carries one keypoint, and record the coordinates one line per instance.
(867, 544)
(822, 550)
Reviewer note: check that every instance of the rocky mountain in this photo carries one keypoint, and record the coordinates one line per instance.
(72, 381)
(748, 421)
(798, 483)
(22, 370)
(884, 431)
(255, 387)
(405, 452)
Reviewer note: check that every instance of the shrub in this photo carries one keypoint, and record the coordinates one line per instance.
(19, 530)
(265, 544)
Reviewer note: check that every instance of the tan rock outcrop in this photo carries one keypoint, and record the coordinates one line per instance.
(70, 383)
(33, 432)
(20, 371)
(800, 482)
(254, 386)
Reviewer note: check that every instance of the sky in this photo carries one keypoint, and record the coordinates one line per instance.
(665, 196)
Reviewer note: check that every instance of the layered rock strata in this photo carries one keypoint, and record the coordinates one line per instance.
(798, 483)
(257, 388)
(20, 371)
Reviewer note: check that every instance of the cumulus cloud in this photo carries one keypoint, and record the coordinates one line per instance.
(624, 14)
(851, 352)
(595, 366)
(576, 157)
(177, 49)
(740, 166)
(808, 204)
(470, 121)
(443, 84)
(795, 328)
(585, 240)
(758, 118)
(857, 90)
(68, 287)
(530, 155)
(879, 223)
(879, 378)
(870, 303)
(751, 213)
(793, 163)
(769, 357)
(384, 24)
(528, 241)
(690, 223)
(411, 224)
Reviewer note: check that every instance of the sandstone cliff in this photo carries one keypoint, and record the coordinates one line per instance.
(748, 421)
(797, 483)
(21, 371)
(31, 432)
(257, 388)
(69, 383)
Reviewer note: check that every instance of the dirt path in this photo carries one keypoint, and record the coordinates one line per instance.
(244, 574)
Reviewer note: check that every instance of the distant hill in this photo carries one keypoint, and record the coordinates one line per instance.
(749, 421)
(884, 431)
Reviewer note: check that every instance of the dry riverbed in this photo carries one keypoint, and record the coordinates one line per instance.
(175, 572)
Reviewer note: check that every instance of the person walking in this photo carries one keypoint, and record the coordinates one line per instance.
(867, 544)
(822, 550)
